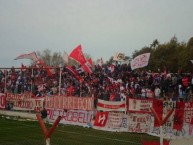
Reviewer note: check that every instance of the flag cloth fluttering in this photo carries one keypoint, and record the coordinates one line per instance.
(78, 55)
(31, 56)
(140, 61)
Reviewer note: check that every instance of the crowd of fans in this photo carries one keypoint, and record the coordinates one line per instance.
(107, 83)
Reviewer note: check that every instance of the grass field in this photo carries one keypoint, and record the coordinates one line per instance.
(14, 131)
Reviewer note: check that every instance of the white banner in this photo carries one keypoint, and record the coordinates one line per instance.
(139, 122)
(31, 104)
(140, 61)
(111, 105)
(111, 121)
(169, 133)
(73, 117)
(139, 105)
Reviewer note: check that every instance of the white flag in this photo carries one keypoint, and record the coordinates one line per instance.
(65, 57)
(31, 56)
(140, 61)
(119, 57)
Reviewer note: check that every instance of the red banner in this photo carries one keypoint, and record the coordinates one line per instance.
(101, 119)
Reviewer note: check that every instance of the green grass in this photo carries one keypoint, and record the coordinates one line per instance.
(14, 132)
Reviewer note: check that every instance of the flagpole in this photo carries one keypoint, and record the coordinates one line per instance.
(32, 77)
(5, 89)
(60, 79)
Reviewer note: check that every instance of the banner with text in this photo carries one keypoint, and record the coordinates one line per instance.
(24, 101)
(66, 102)
(73, 117)
(139, 105)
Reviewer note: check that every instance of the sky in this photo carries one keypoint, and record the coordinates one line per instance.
(101, 27)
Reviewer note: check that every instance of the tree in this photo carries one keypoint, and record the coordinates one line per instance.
(50, 59)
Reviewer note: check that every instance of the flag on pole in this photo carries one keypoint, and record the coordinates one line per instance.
(31, 56)
(78, 55)
(90, 62)
(119, 57)
(87, 67)
(140, 61)
(100, 63)
(74, 72)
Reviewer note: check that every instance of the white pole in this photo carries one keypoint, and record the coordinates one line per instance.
(60, 80)
(5, 89)
(161, 135)
(47, 141)
(32, 75)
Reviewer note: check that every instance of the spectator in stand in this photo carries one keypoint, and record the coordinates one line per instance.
(157, 92)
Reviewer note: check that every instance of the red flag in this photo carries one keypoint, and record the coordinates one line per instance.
(31, 56)
(74, 72)
(87, 67)
(49, 71)
(179, 116)
(158, 107)
(78, 55)
(90, 62)
(164, 108)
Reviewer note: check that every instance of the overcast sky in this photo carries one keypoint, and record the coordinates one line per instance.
(102, 27)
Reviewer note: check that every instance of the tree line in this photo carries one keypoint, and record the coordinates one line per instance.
(173, 55)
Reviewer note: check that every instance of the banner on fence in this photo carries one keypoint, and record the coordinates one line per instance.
(66, 102)
(162, 108)
(188, 116)
(139, 122)
(139, 105)
(111, 121)
(2, 101)
(111, 105)
(73, 117)
(24, 102)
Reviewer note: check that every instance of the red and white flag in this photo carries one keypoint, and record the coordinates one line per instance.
(87, 67)
(74, 72)
(78, 55)
(90, 62)
(31, 56)
(140, 61)
(111, 105)
(162, 108)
